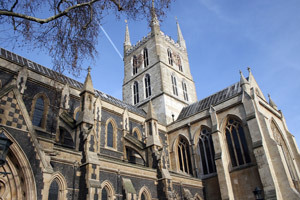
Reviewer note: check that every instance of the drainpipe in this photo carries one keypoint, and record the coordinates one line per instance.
(192, 150)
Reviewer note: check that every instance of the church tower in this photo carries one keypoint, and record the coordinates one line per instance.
(157, 69)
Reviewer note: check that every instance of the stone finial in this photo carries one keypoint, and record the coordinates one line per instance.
(180, 39)
(151, 114)
(88, 84)
(244, 83)
(271, 102)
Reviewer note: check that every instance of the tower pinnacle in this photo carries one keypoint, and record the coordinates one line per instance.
(180, 39)
(127, 43)
(155, 29)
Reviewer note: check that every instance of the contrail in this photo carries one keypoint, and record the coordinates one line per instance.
(111, 42)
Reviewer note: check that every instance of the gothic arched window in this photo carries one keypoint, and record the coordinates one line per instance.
(184, 156)
(38, 113)
(207, 153)
(184, 89)
(179, 63)
(135, 92)
(104, 194)
(237, 144)
(170, 57)
(134, 65)
(53, 190)
(146, 60)
(110, 135)
(147, 85)
(174, 85)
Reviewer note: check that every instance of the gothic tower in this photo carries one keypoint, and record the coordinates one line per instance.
(157, 69)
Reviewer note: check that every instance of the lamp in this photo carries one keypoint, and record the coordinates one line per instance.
(258, 193)
(4, 146)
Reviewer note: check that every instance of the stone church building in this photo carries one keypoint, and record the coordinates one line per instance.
(71, 141)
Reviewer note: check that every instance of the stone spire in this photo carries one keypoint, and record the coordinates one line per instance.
(151, 114)
(180, 39)
(244, 83)
(127, 43)
(271, 102)
(155, 28)
(88, 84)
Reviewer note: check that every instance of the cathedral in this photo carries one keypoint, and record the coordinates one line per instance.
(71, 141)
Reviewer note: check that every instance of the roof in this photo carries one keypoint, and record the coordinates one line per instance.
(214, 99)
(64, 79)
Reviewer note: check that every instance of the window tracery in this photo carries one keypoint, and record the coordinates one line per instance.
(236, 142)
(184, 156)
(207, 153)
(170, 57)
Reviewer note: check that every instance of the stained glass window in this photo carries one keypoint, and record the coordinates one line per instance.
(38, 112)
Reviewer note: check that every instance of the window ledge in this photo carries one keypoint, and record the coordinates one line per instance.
(241, 167)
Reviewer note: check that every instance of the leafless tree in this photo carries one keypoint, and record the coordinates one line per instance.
(69, 28)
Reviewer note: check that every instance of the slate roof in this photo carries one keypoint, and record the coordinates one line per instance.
(214, 99)
(64, 79)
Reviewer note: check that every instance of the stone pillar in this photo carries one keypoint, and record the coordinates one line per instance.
(221, 157)
(257, 145)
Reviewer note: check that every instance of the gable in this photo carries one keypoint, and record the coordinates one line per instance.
(10, 112)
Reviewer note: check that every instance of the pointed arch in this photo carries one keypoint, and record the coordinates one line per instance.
(107, 191)
(206, 151)
(16, 156)
(236, 141)
(144, 194)
(146, 57)
(136, 92)
(184, 90)
(137, 133)
(56, 187)
(147, 82)
(134, 65)
(39, 110)
(183, 156)
(174, 84)
(170, 56)
(111, 133)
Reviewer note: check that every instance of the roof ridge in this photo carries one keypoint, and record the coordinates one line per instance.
(213, 99)
(33, 66)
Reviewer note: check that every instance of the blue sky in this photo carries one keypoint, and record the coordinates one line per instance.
(222, 38)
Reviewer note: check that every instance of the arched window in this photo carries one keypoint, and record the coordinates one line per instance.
(135, 135)
(147, 85)
(104, 194)
(184, 89)
(146, 60)
(53, 190)
(237, 144)
(170, 57)
(135, 92)
(38, 113)
(144, 194)
(134, 65)
(184, 156)
(179, 63)
(174, 85)
(110, 135)
(207, 153)
(287, 156)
